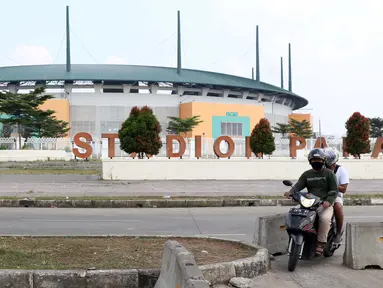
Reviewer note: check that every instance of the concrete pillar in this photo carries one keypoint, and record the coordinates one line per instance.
(245, 94)
(126, 88)
(205, 91)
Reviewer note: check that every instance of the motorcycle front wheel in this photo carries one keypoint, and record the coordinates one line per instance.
(294, 256)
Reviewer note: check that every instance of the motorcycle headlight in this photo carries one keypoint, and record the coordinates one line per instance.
(307, 202)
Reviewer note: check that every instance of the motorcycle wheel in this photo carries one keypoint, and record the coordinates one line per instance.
(328, 249)
(294, 257)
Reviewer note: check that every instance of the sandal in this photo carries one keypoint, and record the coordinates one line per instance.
(319, 249)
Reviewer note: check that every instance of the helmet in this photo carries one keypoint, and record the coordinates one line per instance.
(317, 153)
(332, 156)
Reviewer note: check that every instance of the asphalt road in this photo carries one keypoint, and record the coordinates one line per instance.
(231, 223)
(82, 185)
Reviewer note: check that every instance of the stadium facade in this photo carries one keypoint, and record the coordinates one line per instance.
(98, 98)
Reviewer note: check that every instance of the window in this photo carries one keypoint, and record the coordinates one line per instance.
(231, 129)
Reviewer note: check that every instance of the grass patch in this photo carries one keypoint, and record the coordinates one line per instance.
(108, 252)
(50, 171)
(143, 198)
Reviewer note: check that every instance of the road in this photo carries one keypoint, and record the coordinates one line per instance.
(82, 185)
(231, 223)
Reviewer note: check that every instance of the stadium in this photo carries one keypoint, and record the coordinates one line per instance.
(97, 98)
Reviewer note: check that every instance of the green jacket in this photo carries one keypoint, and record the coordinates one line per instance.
(322, 184)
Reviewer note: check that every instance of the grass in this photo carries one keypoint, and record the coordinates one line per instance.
(108, 252)
(143, 198)
(50, 171)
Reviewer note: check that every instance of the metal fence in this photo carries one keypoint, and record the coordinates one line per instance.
(100, 146)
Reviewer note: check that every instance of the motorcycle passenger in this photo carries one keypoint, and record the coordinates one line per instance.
(343, 181)
(320, 182)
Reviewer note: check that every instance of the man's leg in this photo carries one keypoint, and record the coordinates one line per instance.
(325, 216)
(338, 210)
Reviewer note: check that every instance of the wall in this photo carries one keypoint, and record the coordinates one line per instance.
(223, 169)
(208, 111)
(34, 155)
(62, 108)
(301, 117)
(98, 113)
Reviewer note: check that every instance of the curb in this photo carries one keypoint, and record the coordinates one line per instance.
(219, 273)
(187, 203)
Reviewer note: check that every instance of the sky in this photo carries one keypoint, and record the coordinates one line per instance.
(337, 48)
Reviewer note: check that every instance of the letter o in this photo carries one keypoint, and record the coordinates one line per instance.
(217, 150)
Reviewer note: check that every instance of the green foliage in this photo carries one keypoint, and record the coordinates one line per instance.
(6, 131)
(281, 129)
(182, 126)
(301, 128)
(140, 133)
(376, 127)
(47, 125)
(262, 139)
(358, 135)
(24, 112)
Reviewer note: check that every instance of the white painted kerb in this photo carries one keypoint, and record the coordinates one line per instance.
(225, 169)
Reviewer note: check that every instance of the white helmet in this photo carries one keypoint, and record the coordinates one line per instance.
(332, 156)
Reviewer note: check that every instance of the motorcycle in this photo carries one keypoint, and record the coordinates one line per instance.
(302, 226)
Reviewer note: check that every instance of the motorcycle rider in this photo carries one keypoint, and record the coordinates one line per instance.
(343, 181)
(321, 182)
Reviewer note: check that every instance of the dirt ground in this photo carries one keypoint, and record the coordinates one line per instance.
(107, 252)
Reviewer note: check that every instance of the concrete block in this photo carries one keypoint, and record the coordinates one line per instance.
(16, 279)
(147, 278)
(179, 268)
(118, 203)
(218, 273)
(253, 266)
(364, 245)
(59, 279)
(270, 233)
(82, 203)
(112, 278)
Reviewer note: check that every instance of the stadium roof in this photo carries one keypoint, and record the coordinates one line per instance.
(129, 73)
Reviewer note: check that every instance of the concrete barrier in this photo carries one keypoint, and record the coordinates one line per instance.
(34, 155)
(271, 234)
(364, 245)
(179, 268)
(222, 169)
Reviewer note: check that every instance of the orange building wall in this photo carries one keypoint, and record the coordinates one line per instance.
(301, 117)
(61, 106)
(206, 111)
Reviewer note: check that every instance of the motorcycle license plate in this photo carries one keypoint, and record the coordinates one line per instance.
(299, 212)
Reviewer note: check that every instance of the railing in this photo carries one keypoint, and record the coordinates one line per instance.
(100, 146)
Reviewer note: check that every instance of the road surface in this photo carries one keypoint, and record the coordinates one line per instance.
(231, 223)
(82, 185)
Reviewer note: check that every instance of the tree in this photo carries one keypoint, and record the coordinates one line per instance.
(140, 133)
(262, 139)
(7, 131)
(301, 128)
(358, 135)
(281, 129)
(20, 107)
(376, 127)
(45, 124)
(182, 126)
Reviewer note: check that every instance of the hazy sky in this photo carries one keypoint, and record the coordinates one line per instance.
(337, 49)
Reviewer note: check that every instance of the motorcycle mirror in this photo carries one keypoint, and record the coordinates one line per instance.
(287, 183)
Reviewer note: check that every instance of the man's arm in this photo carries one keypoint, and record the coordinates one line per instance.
(332, 188)
(300, 185)
(343, 180)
